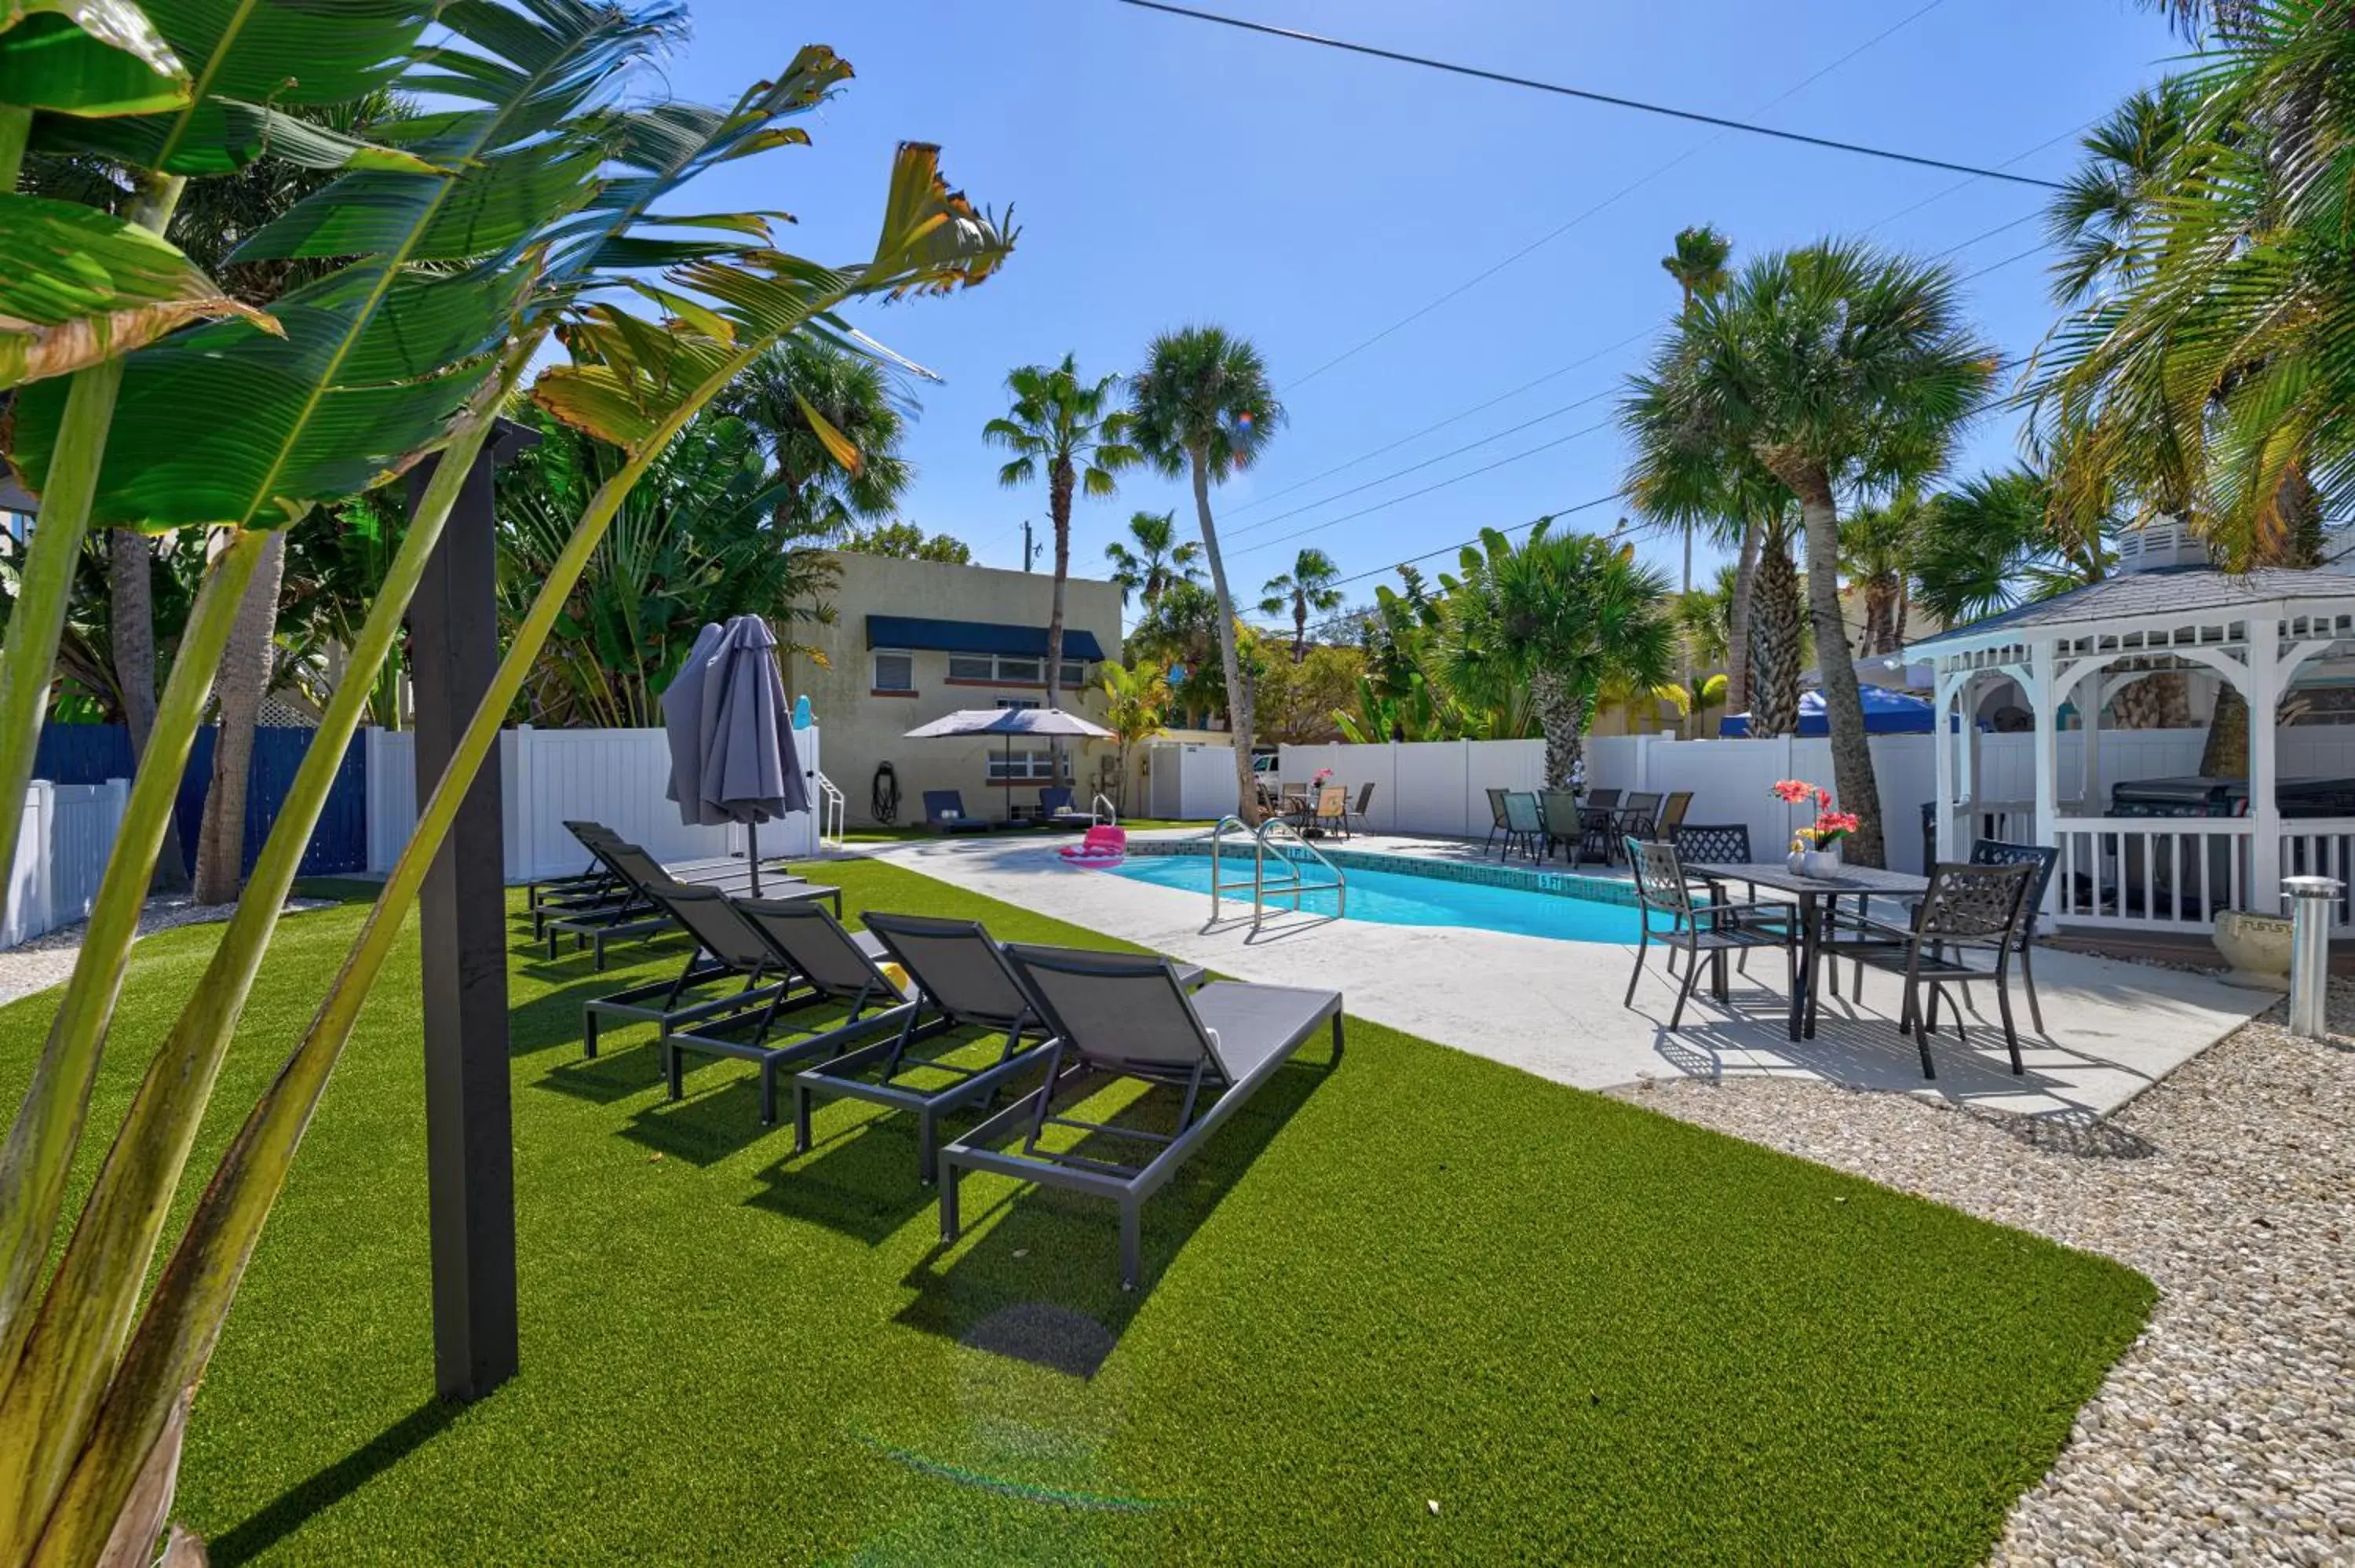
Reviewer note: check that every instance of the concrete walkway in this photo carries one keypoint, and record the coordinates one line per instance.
(1553, 1007)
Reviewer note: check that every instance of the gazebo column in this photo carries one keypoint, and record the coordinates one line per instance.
(1942, 754)
(2089, 738)
(2042, 700)
(2264, 695)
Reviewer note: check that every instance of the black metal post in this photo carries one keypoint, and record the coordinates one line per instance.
(462, 919)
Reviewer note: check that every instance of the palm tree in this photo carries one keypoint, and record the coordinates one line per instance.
(1307, 586)
(1158, 559)
(1062, 424)
(1698, 262)
(1136, 706)
(1832, 366)
(832, 422)
(1878, 544)
(1564, 616)
(1778, 629)
(1203, 406)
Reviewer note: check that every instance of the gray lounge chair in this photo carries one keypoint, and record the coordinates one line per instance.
(728, 947)
(944, 812)
(829, 966)
(1118, 1015)
(601, 891)
(641, 917)
(964, 980)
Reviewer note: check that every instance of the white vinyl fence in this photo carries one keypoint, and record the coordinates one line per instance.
(1440, 787)
(549, 776)
(68, 832)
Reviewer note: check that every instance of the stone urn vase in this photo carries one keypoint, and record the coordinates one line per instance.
(2256, 947)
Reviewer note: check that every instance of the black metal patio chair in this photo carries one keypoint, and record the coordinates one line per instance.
(1968, 908)
(1699, 929)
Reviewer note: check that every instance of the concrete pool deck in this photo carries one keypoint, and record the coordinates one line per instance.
(1552, 1007)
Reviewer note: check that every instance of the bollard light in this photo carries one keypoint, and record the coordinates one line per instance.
(2309, 952)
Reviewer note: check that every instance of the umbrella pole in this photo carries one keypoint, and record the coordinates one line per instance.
(753, 848)
(1005, 778)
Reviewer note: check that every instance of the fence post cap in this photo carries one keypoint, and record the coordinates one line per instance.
(2312, 887)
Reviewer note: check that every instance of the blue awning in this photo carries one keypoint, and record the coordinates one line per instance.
(1885, 713)
(914, 632)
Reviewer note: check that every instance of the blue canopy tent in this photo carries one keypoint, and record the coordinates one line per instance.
(1885, 713)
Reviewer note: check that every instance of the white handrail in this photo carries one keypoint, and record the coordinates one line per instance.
(829, 804)
(1218, 837)
(1108, 814)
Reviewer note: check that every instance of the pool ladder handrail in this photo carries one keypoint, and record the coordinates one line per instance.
(1292, 885)
(1102, 812)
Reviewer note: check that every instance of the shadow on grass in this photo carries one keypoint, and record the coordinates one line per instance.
(859, 1181)
(1036, 1262)
(323, 1489)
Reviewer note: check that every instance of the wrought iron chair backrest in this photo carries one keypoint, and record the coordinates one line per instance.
(1972, 905)
(1660, 878)
(1521, 812)
(1995, 852)
(1712, 844)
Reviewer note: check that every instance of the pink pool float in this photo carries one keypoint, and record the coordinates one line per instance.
(1104, 845)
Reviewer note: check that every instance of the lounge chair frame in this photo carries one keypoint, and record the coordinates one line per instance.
(1128, 1186)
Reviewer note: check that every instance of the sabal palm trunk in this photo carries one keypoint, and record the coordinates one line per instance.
(131, 595)
(1693, 686)
(1239, 694)
(1776, 644)
(1852, 775)
(1563, 708)
(1059, 505)
(1738, 660)
(244, 683)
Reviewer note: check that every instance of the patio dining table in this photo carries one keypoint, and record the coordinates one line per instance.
(1816, 897)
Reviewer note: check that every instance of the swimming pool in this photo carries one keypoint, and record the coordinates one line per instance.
(1398, 899)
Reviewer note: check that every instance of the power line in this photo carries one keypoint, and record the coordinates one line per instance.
(1611, 200)
(1508, 79)
(1452, 549)
(1413, 468)
(1427, 489)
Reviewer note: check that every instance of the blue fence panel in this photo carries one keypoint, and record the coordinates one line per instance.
(93, 753)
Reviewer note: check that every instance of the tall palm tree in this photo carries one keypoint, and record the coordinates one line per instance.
(1307, 586)
(1832, 366)
(1564, 616)
(1064, 426)
(1203, 407)
(1158, 559)
(1697, 264)
(832, 422)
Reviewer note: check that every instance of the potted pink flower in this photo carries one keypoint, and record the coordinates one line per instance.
(1815, 849)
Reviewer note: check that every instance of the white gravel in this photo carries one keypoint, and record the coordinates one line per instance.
(2226, 1433)
(48, 960)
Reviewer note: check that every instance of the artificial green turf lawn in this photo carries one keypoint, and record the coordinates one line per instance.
(1590, 1332)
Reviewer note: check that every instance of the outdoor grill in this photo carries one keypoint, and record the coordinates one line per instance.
(2208, 796)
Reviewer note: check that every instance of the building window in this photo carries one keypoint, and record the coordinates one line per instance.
(894, 672)
(1012, 670)
(1022, 767)
(1017, 702)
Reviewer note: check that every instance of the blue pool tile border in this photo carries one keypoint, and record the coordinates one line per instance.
(1560, 884)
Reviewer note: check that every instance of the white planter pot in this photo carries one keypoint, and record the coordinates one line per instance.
(2256, 947)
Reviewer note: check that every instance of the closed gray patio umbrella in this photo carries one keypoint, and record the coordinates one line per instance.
(731, 736)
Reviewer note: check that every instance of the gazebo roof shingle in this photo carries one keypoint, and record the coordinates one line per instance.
(2140, 595)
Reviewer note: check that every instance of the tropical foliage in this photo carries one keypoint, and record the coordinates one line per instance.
(460, 240)
(906, 541)
(1307, 587)
(1136, 707)
(1152, 558)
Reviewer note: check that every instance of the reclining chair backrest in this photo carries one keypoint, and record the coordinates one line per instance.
(1124, 1012)
(1053, 800)
(714, 922)
(942, 804)
(959, 966)
(808, 936)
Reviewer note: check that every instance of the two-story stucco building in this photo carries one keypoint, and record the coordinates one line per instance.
(913, 641)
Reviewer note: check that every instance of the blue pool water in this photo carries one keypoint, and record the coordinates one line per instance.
(1394, 898)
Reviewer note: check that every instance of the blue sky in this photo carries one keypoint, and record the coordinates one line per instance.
(1166, 171)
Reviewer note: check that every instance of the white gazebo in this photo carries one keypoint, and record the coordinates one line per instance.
(2172, 849)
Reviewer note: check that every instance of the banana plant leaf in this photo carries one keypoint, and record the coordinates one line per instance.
(250, 56)
(86, 56)
(77, 285)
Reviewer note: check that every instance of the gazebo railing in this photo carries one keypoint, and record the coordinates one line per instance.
(2153, 874)
(2321, 846)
